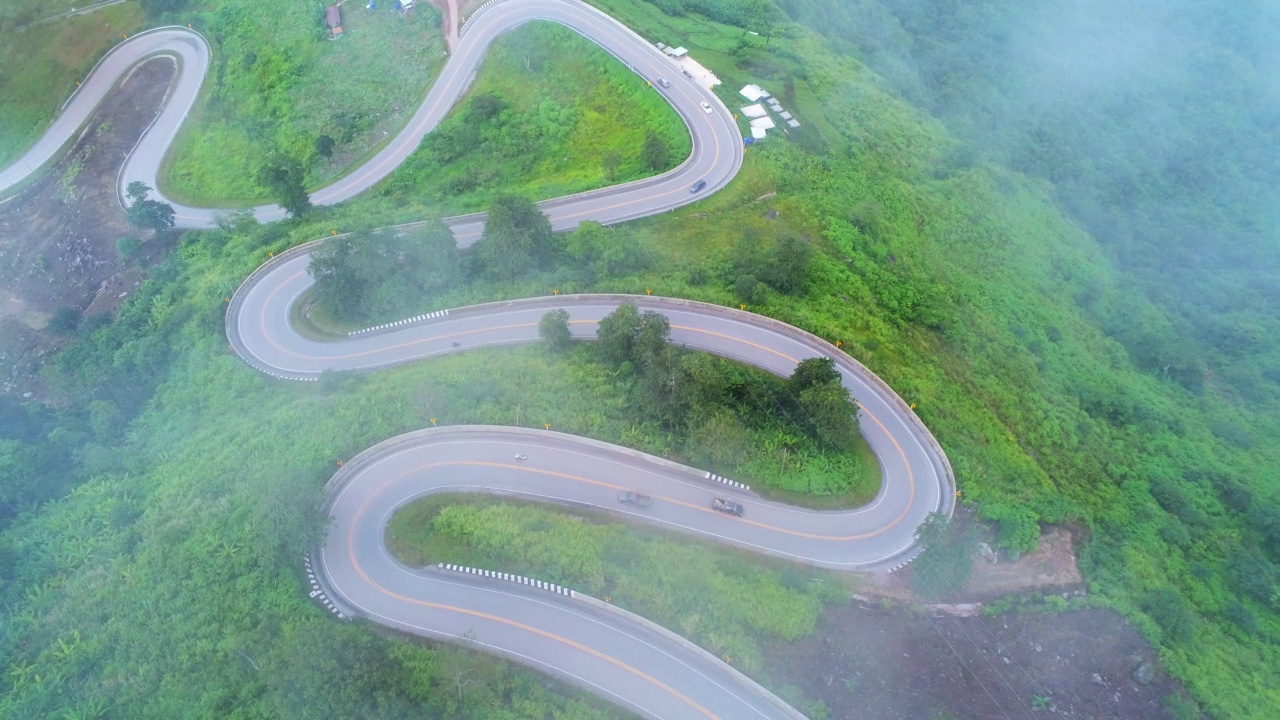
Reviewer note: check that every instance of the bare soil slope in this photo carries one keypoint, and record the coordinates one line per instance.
(58, 236)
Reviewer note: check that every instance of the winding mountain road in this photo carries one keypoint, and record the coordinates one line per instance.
(652, 672)
(609, 652)
(715, 157)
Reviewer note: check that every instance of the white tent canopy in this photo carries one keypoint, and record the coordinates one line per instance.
(754, 111)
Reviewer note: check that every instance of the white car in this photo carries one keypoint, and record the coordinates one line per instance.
(706, 107)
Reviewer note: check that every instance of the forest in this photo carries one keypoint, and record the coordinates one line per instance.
(1083, 310)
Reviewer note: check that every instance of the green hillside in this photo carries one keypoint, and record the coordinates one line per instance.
(1073, 350)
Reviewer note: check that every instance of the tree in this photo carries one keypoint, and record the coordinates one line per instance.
(235, 222)
(127, 247)
(945, 559)
(720, 440)
(1171, 613)
(783, 265)
(788, 268)
(616, 333)
(64, 320)
(382, 275)
(651, 338)
(611, 162)
(830, 415)
(748, 289)
(485, 106)
(654, 153)
(705, 386)
(145, 212)
(156, 8)
(604, 252)
(284, 176)
(517, 237)
(813, 372)
(554, 329)
(324, 146)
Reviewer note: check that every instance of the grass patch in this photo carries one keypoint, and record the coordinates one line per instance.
(730, 602)
(312, 321)
(278, 83)
(569, 118)
(42, 64)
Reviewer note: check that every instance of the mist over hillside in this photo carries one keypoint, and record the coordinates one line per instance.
(1158, 124)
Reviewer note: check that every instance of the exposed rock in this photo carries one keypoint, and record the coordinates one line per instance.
(1144, 673)
(986, 553)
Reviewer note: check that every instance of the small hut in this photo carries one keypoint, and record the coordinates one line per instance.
(333, 20)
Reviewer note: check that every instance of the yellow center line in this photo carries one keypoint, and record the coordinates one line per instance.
(911, 477)
(351, 554)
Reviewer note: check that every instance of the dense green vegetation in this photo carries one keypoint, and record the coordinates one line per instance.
(956, 278)
(277, 85)
(43, 63)
(1155, 122)
(796, 439)
(727, 601)
(271, 107)
(968, 290)
(167, 583)
(550, 113)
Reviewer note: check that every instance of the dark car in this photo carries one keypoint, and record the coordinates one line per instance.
(636, 499)
(698, 186)
(727, 506)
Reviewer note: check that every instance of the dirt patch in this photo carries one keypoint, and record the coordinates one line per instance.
(870, 662)
(1052, 568)
(58, 237)
(895, 655)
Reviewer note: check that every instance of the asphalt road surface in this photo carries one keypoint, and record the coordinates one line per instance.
(617, 656)
(717, 142)
(653, 673)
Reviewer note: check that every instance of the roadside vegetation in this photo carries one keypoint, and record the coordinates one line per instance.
(278, 87)
(173, 490)
(550, 113)
(43, 62)
(728, 601)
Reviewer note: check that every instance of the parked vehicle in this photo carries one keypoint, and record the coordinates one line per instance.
(727, 506)
(698, 186)
(636, 499)
(664, 82)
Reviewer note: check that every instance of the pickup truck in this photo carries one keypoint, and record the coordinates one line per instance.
(636, 499)
(725, 505)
